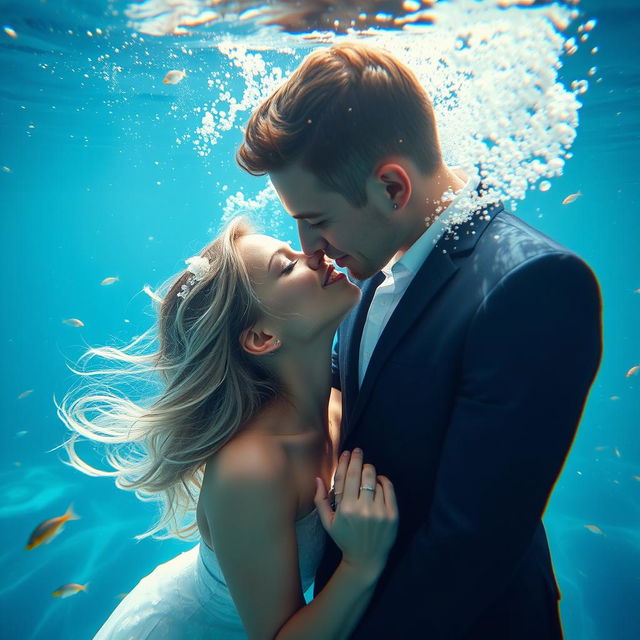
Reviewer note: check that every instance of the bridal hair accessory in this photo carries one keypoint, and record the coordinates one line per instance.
(198, 267)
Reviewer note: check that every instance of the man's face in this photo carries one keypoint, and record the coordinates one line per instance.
(361, 239)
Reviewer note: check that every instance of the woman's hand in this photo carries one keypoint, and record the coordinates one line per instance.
(365, 523)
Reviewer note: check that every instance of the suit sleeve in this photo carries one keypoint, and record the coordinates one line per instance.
(335, 369)
(531, 353)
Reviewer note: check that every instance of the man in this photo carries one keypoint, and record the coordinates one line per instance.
(465, 367)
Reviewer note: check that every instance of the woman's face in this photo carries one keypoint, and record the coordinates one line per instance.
(307, 296)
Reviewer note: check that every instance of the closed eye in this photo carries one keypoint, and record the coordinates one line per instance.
(317, 225)
(289, 267)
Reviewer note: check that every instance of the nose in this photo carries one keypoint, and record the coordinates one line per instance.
(312, 245)
(316, 260)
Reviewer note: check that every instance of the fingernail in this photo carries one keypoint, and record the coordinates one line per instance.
(357, 450)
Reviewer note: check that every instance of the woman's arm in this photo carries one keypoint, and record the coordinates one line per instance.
(336, 610)
(334, 419)
(251, 511)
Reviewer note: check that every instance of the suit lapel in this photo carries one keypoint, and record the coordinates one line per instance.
(434, 273)
(439, 267)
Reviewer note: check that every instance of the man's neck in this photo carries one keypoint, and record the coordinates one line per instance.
(429, 203)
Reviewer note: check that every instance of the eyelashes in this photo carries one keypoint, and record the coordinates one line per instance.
(289, 267)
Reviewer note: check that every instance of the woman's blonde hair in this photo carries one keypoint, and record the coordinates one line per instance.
(342, 110)
(207, 387)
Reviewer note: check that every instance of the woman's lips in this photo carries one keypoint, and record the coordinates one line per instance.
(331, 276)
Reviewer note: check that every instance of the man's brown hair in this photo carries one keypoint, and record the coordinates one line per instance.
(338, 114)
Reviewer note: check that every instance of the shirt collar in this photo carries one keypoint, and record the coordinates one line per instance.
(414, 257)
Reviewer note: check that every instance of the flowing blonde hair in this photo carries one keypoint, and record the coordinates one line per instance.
(207, 387)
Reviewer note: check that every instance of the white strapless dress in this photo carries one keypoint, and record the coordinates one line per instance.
(187, 598)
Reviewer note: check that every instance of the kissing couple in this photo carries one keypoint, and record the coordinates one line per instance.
(391, 434)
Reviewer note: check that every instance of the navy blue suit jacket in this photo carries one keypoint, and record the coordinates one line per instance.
(470, 404)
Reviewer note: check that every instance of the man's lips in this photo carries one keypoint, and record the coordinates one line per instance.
(340, 261)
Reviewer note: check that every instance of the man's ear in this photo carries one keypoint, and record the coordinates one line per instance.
(396, 181)
(257, 342)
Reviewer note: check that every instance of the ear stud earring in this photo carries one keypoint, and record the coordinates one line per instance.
(395, 205)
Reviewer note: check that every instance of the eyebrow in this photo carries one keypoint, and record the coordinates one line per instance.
(302, 216)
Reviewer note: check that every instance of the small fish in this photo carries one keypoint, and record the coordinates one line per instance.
(637, 291)
(19, 434)
(6, 169)
(602, 448)
(572, 197)
(616, 451)
(108, 281)
(46, 531)
(10, 31)
(24, 394)
(633, 371)
(73, 322)
(70, 589)
(614, 398)
(594, 529)
(175, 76)
(636, 478)
(152, 294)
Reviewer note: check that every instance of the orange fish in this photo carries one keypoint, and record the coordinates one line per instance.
(73, 322)
(175, 76)
(9, 31)
(70, 589)
(572, 198)
(108, 281)
(24, 394)
(594, 529)
(46, 531)
(633, 371)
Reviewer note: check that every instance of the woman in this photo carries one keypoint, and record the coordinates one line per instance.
(238, 433)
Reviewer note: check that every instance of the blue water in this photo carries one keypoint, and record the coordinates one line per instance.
(95, 184)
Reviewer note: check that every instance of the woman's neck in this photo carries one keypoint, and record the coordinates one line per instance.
(305, 373)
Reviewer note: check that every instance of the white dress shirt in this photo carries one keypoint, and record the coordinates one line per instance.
(399, 274)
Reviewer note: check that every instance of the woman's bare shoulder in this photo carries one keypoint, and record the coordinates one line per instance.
(249, 460)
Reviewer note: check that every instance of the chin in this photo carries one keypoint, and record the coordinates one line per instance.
(362, 274)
